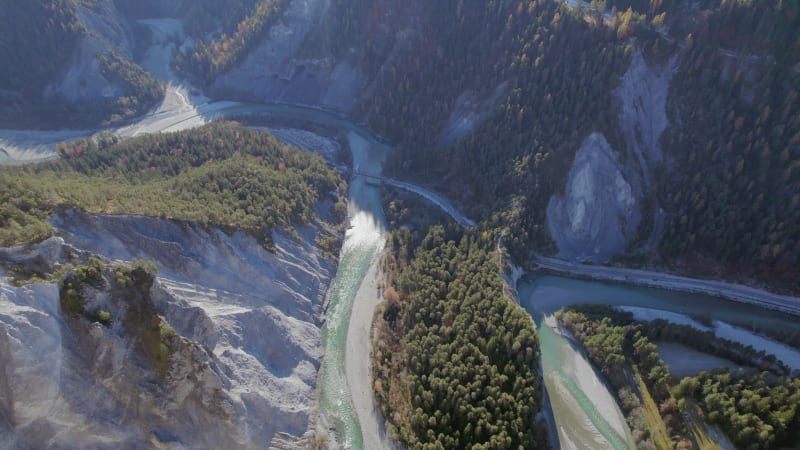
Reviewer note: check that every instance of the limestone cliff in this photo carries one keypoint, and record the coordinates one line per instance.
(221, 350)
(598, 212)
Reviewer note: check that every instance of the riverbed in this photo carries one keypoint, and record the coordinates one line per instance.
(584, 410)
(585, 413)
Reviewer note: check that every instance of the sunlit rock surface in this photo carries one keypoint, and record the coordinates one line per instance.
(244, 357)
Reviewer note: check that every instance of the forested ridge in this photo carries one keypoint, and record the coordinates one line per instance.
(734, 191)
(456, 360)
(35, 43)
(729, 182)
(221, 174)
(223, 31)
(530, 55)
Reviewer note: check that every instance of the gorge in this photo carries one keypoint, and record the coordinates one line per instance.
(171, 279)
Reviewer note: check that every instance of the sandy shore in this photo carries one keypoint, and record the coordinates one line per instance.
(358, 362)
(585, 412)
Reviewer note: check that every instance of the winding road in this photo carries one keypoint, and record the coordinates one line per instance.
(179, 111)
(427, 194)
(731, 291)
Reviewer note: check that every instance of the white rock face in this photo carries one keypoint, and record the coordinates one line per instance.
(598, 212)
(643, 118)
(273, 72)
(67, 383)
(106, 30)
(248, 343)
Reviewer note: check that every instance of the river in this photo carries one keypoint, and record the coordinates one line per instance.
(583, 408)
(344, 384)
(362, 245)
(585, 413)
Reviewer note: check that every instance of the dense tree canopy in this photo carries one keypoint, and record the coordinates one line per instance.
(37, 41)
(222, 174)
(757, 411)
(457, 360)
(544, 73)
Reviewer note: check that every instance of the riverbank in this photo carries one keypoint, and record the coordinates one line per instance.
(730, 291)
(358, 360)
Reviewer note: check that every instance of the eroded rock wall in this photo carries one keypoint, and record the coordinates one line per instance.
(243, 358)
(598, 212)
(273, 71)
(601, 209)
(643, 117)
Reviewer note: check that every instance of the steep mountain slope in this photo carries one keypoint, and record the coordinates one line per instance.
(493, 100)
(221, 349)
(31, 60)
(599, 212)
(69, 63)
(277, 71)
(503, 76)
(239, 325)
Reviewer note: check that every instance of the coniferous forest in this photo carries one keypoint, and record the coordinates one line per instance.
(729, 183)
(455, 359)
(39, 40)
(486, 102)
(222, 174)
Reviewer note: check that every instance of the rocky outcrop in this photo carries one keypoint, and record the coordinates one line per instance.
(131, 384)
(598, 212)
(274, 72)
(234, 363)
(643, 117)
